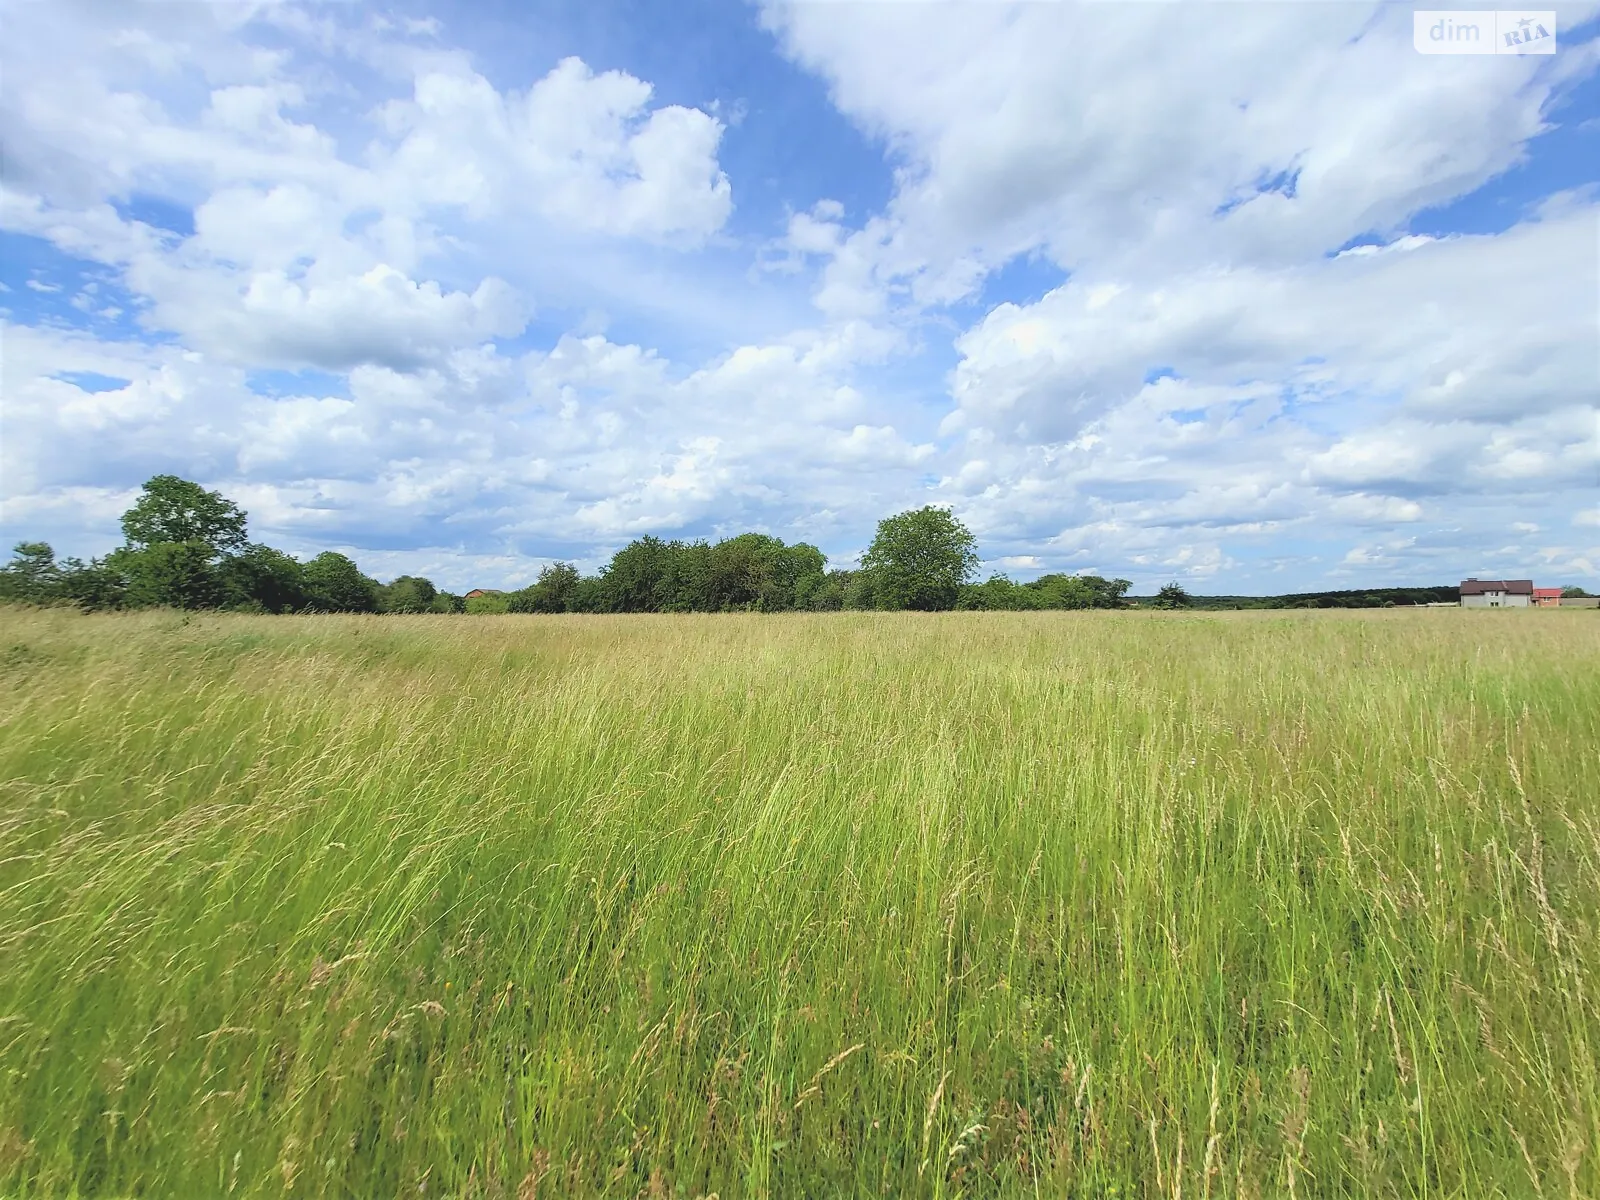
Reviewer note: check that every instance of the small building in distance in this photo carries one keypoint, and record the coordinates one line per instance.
(1496, 593)
(483, 601)
(1547, 597)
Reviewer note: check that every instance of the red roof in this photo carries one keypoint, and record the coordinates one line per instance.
(1512, 587)
(1547, 593)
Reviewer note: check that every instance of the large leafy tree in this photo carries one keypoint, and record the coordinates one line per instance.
(859, 592)
(334, 583)
(178, 538)
(1171, 595)
(798, 572)
(170, 574)
(632, 579)
(747, 572)
(178, 510)
(264, 579)
(687, 578)
(590, 596)
(32, 574)
(812, 591)
(824, 594)
(920, 559)
(553, 592)
(407, 594)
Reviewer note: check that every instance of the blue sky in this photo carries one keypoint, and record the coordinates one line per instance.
(1251, 296)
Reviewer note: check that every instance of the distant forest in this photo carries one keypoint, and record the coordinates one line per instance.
(188, 548)
(1394, 597)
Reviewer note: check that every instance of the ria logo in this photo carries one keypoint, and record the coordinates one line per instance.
(1527, 32)
(1483, 31)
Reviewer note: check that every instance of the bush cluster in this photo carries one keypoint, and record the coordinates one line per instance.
(1048, 591)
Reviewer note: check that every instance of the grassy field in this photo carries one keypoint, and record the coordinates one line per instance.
(1084, 904)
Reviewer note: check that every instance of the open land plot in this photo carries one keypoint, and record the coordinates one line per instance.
(859, 904)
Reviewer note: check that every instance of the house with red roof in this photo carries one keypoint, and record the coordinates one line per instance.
(1547, 597)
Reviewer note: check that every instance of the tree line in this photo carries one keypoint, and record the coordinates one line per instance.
(189, 548)
(1389, 597)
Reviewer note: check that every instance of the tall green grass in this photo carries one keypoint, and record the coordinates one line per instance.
(894, 905)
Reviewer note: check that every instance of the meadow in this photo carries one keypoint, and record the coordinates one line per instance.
(972, 904)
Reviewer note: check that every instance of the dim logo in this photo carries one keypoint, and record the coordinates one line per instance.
(1446, 30)
(1483, 31)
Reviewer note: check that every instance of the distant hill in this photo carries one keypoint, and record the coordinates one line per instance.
(1397, 597)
